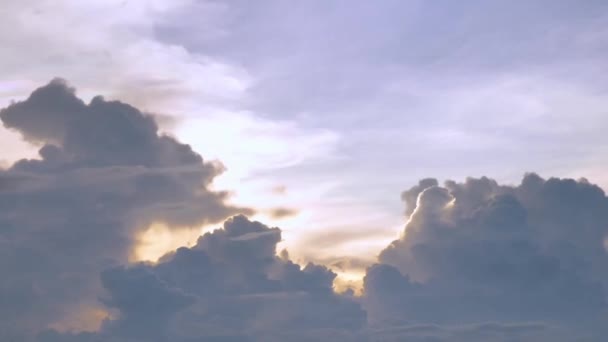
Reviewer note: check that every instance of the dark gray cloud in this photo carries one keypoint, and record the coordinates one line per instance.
(104, 174)
(230, 286)
(476, 252)
(478, 261)
(144, 301)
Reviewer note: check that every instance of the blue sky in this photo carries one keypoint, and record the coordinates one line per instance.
(314, 97)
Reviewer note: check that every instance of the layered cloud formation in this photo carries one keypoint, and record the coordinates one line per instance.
(104, 174)
(477, 261)
(230, 286)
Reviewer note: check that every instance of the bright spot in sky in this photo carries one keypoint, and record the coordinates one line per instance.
(159, 239)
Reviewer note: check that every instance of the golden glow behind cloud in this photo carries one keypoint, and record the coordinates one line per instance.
(85, 317)
(159, 239)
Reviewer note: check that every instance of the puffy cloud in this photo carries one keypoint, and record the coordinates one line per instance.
(474, 264)
(478, 261)
(230, 286)
(477, 251)
(144, 301)
(105, 173)
(411, 196)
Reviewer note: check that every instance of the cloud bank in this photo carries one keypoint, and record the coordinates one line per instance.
(477, 261)
(481, 252)
(104, 174)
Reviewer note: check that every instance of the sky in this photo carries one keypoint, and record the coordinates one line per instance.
(202, 170)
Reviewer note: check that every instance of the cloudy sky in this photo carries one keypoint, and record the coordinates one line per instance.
(363, 130)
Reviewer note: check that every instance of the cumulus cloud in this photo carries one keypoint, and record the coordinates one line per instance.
(104, 174)
(477, 260)
(230, 286)
(477, 251)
